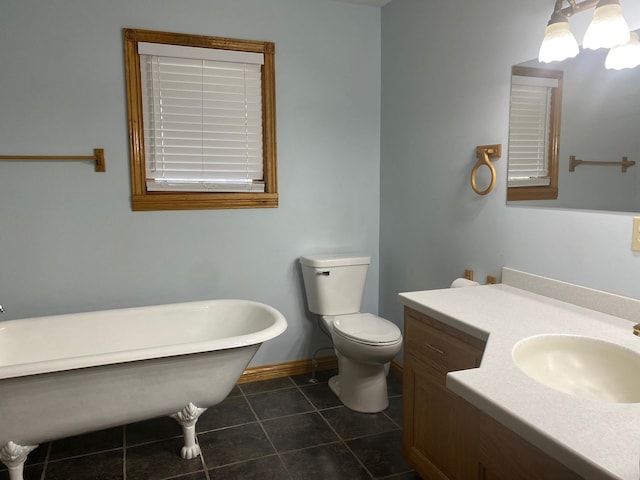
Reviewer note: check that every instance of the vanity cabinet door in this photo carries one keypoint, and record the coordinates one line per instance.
(496, 453)
(432, 429)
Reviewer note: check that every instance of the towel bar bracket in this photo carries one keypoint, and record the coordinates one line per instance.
(484, 154)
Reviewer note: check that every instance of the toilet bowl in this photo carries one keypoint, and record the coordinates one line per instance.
(364, 342)
(361, 383)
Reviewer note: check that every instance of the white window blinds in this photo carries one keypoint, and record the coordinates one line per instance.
(529, 131)
(202, 114)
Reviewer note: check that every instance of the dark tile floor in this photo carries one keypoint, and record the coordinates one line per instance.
(276, 429)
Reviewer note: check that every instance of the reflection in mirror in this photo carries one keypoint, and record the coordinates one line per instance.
(534, 124)
(599, 123)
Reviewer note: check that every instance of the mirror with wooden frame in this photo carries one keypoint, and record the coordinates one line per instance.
(600, 114)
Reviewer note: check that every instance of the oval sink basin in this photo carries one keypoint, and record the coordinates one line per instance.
(581, 366)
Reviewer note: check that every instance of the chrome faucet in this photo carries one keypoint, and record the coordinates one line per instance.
(636, 329)
(1, 309)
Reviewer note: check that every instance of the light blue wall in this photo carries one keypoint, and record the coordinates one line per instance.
(69, 240)
(445, 89)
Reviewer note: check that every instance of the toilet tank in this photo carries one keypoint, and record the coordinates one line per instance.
(334, 283)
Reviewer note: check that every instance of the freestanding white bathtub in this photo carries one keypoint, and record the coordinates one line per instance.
(65, 375)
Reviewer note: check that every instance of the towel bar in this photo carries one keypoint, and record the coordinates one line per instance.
(97, 157)
(624, 164)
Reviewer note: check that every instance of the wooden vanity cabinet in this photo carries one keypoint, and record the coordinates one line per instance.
(432, 432)
(445, 437)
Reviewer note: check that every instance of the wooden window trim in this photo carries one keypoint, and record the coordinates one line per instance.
(142, 200)
(546, 192)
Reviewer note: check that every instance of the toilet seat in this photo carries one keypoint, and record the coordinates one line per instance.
(367, 329)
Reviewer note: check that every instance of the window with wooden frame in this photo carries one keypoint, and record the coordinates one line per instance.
(534, 133)
(202, 122)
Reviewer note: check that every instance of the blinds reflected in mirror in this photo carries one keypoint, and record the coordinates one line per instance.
(529, 130)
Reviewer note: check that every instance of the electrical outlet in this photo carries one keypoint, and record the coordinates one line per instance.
(635, 239)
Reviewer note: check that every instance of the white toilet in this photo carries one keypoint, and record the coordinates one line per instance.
(363, 342)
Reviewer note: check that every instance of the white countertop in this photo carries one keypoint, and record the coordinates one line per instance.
(598, 440)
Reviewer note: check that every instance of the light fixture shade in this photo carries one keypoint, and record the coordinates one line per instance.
(625, 56)
(608, 27)
(558, 43)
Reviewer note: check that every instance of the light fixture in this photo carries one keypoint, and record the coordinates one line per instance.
(608, 29)
(624, 56)
(558, 43)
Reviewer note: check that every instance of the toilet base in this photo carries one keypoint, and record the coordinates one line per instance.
(364, 388)
(334, 385)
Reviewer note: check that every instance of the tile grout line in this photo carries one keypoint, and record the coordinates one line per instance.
(284, 465)
(46, 461)
(341, 440)
(344, 441)
(316, 411)
(200, 455)
(89, 454)
(124, 452)
(389, 416)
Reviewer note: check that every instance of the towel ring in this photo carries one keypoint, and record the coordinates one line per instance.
(484, 153)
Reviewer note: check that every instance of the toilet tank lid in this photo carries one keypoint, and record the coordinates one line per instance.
(335, 260)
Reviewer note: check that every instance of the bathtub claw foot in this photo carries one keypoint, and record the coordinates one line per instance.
(13, 456)
(190, 452)
(187, 418)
